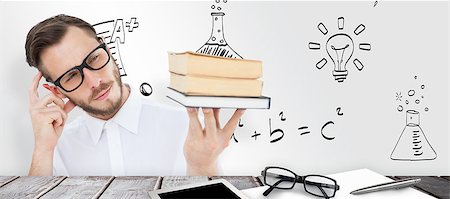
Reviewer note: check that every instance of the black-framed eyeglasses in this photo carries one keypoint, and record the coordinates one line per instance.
(74, 77)
(281, 178)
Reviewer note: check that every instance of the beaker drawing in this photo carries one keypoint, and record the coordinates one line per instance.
(217, 45)
(412, 145)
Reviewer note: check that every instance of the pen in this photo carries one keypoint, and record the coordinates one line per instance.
(389, 185)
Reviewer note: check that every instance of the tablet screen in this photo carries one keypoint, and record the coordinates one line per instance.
(218, 190)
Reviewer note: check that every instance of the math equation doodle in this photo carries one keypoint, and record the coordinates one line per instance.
(412, 145)
(277, 132)
(340, 48)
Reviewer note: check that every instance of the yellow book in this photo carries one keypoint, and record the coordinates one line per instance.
(190, 63)
(215, 86)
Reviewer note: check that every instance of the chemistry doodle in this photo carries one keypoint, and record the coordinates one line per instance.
(412, 145)
(216, 44)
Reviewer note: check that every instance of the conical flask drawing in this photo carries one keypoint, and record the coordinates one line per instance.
(412, 145)
(216, 45)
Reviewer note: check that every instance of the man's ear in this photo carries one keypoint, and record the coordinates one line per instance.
(54, 90)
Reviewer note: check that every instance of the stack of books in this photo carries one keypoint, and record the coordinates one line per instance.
(199, 80)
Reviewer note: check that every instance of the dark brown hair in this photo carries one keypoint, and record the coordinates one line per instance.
(50, 32)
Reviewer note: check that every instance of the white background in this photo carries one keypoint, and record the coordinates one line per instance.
(408, 39)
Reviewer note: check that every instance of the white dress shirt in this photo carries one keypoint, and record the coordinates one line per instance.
(144, 138)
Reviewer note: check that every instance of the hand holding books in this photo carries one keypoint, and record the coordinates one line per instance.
(204, 145)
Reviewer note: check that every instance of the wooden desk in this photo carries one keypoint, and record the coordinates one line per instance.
(137, 186)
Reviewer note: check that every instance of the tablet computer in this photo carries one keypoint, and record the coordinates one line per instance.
(218, 188)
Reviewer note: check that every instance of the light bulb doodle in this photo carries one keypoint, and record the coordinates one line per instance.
(340, 48)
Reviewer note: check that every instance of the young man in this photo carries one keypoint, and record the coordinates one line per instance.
(120, 134)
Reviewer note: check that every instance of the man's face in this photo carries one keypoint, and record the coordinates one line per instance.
(101, 91)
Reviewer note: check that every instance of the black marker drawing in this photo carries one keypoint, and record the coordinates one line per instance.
(322, 28)
(340, 48)
(398, 96)
(234, 138)
(113, 34)
(304, 130)
(341, 23)
(321, 63)
(375, 4)
(216, 44)
(282, 116)
(338, 110)
(217, 5)
(240, 124)
(255, 135)
(146, 89)
(412, 145)
(276, 131)
(321, 131)
(314, 46)
(359, 29)
(132, 24)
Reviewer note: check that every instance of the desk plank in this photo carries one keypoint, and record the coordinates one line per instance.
(28, 186)
(132, 187)
(240, 182)
(174, 181)
(7, 179)
(432, 185)
(78, 187)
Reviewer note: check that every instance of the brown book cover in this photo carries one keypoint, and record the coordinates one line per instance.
(190, 63)
(215, 86)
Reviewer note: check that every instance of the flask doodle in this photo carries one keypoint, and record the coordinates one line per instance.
(216, 44)
(412, 144)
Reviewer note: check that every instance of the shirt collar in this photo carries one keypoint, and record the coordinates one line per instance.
(127, 117)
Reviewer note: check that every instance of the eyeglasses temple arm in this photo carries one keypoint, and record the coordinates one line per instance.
(322, 185)
(271, 187)
(323, 192)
